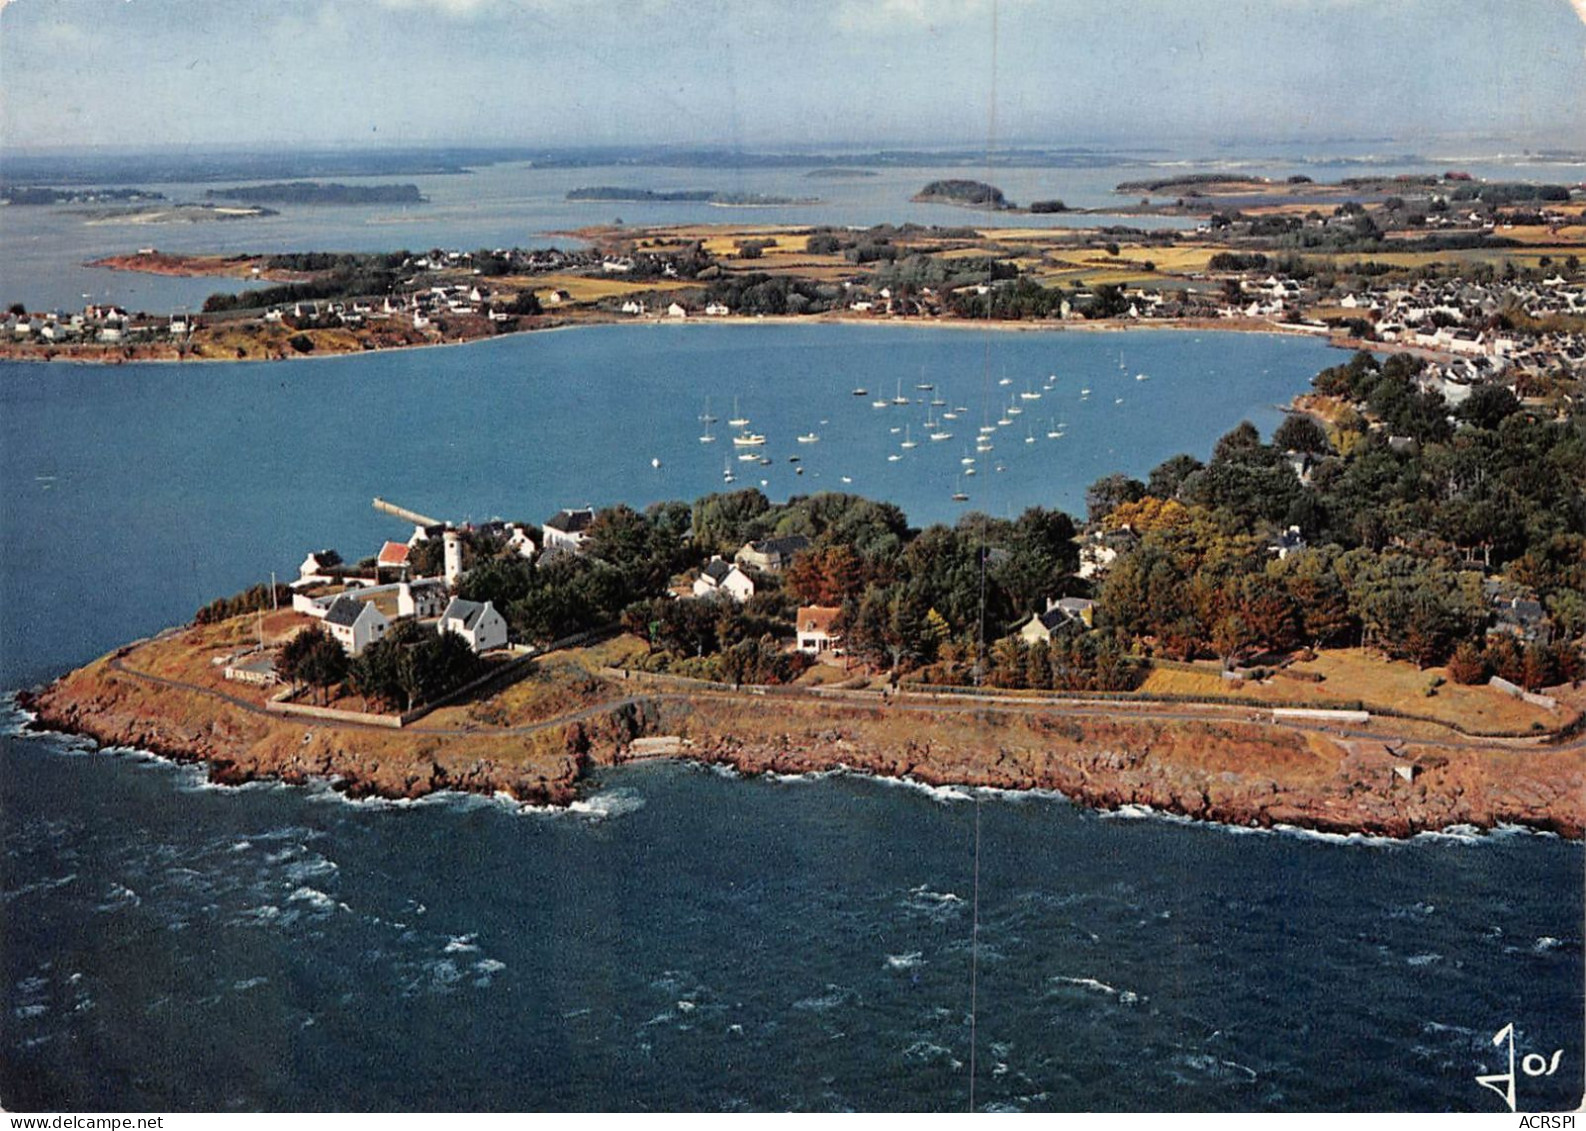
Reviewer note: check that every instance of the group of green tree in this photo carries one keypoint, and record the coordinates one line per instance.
(408, 667)
(249, 600)
(1398, 536)
(339, 276)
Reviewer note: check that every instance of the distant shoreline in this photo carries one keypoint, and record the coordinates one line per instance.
(164, 354)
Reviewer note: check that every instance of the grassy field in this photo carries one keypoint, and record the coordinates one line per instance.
(1351, 675)
(593, 289)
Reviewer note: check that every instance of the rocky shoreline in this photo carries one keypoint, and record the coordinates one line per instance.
(1240, 773)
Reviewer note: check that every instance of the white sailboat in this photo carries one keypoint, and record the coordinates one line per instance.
(908, 441)
(738, 419)
(900, 398)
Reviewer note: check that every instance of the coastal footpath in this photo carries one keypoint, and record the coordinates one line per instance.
(536, 740)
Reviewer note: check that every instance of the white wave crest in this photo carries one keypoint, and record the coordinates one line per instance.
(926, 1052)
(118, 898)
(942, 793)
(937, 905)
(609, 803)
(312, 896)
(905, 961)
(822, 1003)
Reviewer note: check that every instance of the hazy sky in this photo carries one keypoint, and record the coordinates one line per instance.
(758, 73)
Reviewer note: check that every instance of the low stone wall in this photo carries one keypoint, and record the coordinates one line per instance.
(281, 706)
(1546, 702)
(1319, 714)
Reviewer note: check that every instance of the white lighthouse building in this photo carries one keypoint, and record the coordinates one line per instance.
(454, 558)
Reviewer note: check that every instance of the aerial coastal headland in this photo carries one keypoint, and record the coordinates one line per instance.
(1341, 628)
(1370, 622)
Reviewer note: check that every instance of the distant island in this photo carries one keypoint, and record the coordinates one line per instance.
(840, 174)
(692, 196)
(314, 192)
(159, 212)
(966, 194)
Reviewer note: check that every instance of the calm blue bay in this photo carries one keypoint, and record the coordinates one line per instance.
(684, 940)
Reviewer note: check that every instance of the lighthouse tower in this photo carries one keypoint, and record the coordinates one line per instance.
(454, 558)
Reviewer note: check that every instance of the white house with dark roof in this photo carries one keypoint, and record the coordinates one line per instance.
(422, 599)
(723, 578)
(477, 623)
(1065, 610)
(771, 555)
(355, 624)
(316, 567)
(567, 529)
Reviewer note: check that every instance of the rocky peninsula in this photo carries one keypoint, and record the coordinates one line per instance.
(535, 740)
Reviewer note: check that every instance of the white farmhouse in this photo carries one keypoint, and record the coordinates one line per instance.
(421, 599)
(520, 542)
(479, 624)
(355, 624)
(723, 578)
(567, 529)
(815, 629)
(316, 567)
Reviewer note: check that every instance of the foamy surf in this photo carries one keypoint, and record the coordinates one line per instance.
(313, 897)
(1125, 997)
(609, 803)
(941, 793)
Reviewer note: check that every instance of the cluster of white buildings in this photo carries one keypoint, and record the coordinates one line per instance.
(106, 325)
(358, 610)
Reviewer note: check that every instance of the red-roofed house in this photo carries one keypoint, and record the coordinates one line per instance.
(814, 624)
(393, 555)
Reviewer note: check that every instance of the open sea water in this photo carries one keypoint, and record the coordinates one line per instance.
(683, 939)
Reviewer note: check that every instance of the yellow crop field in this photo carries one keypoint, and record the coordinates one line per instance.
(586, 289)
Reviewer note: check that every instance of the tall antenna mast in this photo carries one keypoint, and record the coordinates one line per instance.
(980, 644)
